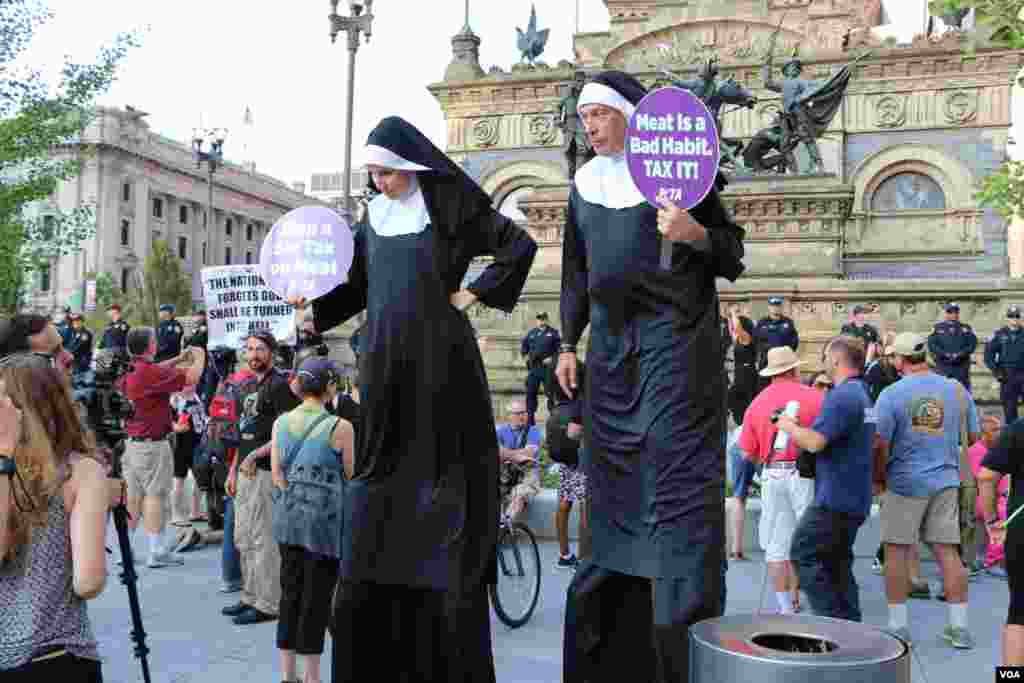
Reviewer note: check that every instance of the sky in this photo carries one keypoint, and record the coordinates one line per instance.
(207, 60)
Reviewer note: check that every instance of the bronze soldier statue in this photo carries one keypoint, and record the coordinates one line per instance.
(576, 145)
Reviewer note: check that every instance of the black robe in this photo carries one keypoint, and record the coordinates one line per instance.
(422, 508)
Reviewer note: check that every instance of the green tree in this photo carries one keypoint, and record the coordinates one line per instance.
(40, 127)
(163, 281)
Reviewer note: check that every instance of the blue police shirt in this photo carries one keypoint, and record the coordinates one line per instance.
(843, 477)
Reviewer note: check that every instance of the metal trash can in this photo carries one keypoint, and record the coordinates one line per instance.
(794, 649)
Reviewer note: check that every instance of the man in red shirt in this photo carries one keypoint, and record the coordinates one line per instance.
(148, 461)
(784, 494)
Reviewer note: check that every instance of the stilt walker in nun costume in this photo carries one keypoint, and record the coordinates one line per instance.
(421, 511)
(654, 407)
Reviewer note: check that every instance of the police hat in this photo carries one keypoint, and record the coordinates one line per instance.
(167, 308)
(775, 301)
(952, 307)
(542, 316)
(1013, 312)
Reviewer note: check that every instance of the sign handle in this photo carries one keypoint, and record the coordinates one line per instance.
(666, 254)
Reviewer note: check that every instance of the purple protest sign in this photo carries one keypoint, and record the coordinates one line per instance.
(672, 148)
(307, 253)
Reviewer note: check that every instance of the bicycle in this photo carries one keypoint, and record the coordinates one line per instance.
(517, 590)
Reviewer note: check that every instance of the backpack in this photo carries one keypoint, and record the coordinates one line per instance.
(223, 415)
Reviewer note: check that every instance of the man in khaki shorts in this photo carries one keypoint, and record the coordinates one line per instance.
(519, 443)
(920, 422)
(148, 462)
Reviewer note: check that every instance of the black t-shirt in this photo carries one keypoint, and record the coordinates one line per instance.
(745, 355)
(262, 402)
(1007, 457)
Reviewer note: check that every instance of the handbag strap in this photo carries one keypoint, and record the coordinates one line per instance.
(294, 450)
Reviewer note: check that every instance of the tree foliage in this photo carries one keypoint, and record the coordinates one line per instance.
(40, 126)
(163, 281)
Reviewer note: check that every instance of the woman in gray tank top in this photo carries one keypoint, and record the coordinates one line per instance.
(311, 456)
(53, 514)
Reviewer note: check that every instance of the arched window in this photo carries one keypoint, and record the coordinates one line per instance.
(908, 191)
(510, 204)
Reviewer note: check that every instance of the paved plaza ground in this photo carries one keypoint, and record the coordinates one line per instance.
(192, 643)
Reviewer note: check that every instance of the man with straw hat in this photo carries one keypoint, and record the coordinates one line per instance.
(785, 495)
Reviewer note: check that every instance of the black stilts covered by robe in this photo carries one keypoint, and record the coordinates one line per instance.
(421, 512)
(654, 426)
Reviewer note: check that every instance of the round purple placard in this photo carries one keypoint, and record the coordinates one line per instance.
(672, 148)
(307, 253)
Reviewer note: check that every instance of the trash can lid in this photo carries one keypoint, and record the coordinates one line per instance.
(817, 641)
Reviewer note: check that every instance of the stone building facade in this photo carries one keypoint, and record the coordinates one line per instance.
(893, 224)
(146, 187)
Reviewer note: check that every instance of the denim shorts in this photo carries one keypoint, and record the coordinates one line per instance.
(743, 471)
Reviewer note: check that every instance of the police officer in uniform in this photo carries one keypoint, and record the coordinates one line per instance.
(168, 335)
(80, 346)
(201, 336)
(539, 347)
(771, 332)
(115, 337)
(951, 344)
(864, 331)
(1004, 356)
(64, 328)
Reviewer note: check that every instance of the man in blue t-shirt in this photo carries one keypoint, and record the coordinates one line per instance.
(841, 439)
(519, 444)
(919, 421)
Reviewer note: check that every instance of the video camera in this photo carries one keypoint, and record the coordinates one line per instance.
(106, 408)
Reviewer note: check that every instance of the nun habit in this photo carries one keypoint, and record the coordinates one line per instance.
(654, 418)
(421, 512)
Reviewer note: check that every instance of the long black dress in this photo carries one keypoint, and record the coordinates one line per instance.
(421, 512)
(654, 428)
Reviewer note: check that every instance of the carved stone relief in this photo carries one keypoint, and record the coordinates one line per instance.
(486, 132)
(891, 111)
(542, 129)
(961, 106)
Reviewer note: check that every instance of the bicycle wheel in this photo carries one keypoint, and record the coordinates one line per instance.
(515, 595)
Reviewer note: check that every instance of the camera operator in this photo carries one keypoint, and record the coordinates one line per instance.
(54, 498)
(148, 459)
(33, 333)
(841, 440)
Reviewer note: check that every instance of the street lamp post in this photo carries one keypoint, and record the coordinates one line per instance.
(213, 155)
(353, 25)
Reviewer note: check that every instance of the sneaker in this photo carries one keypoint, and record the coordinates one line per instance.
(164, 559)
(567, 562)
(877, 567)
(903, 633)
(997, 571)
(960, 638)
(187, 540)
(920, 591)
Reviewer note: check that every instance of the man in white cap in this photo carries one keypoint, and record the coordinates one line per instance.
(921, 421)
(655, 408)
(785, 495)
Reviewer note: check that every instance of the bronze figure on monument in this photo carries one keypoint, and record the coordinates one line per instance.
(576, 145)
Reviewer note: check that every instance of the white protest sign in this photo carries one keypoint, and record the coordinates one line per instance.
(239, 303)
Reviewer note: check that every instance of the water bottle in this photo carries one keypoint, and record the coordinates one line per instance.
(782, 438)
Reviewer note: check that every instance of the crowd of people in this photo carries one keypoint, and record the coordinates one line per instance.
(371, 510)
(891, 419)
